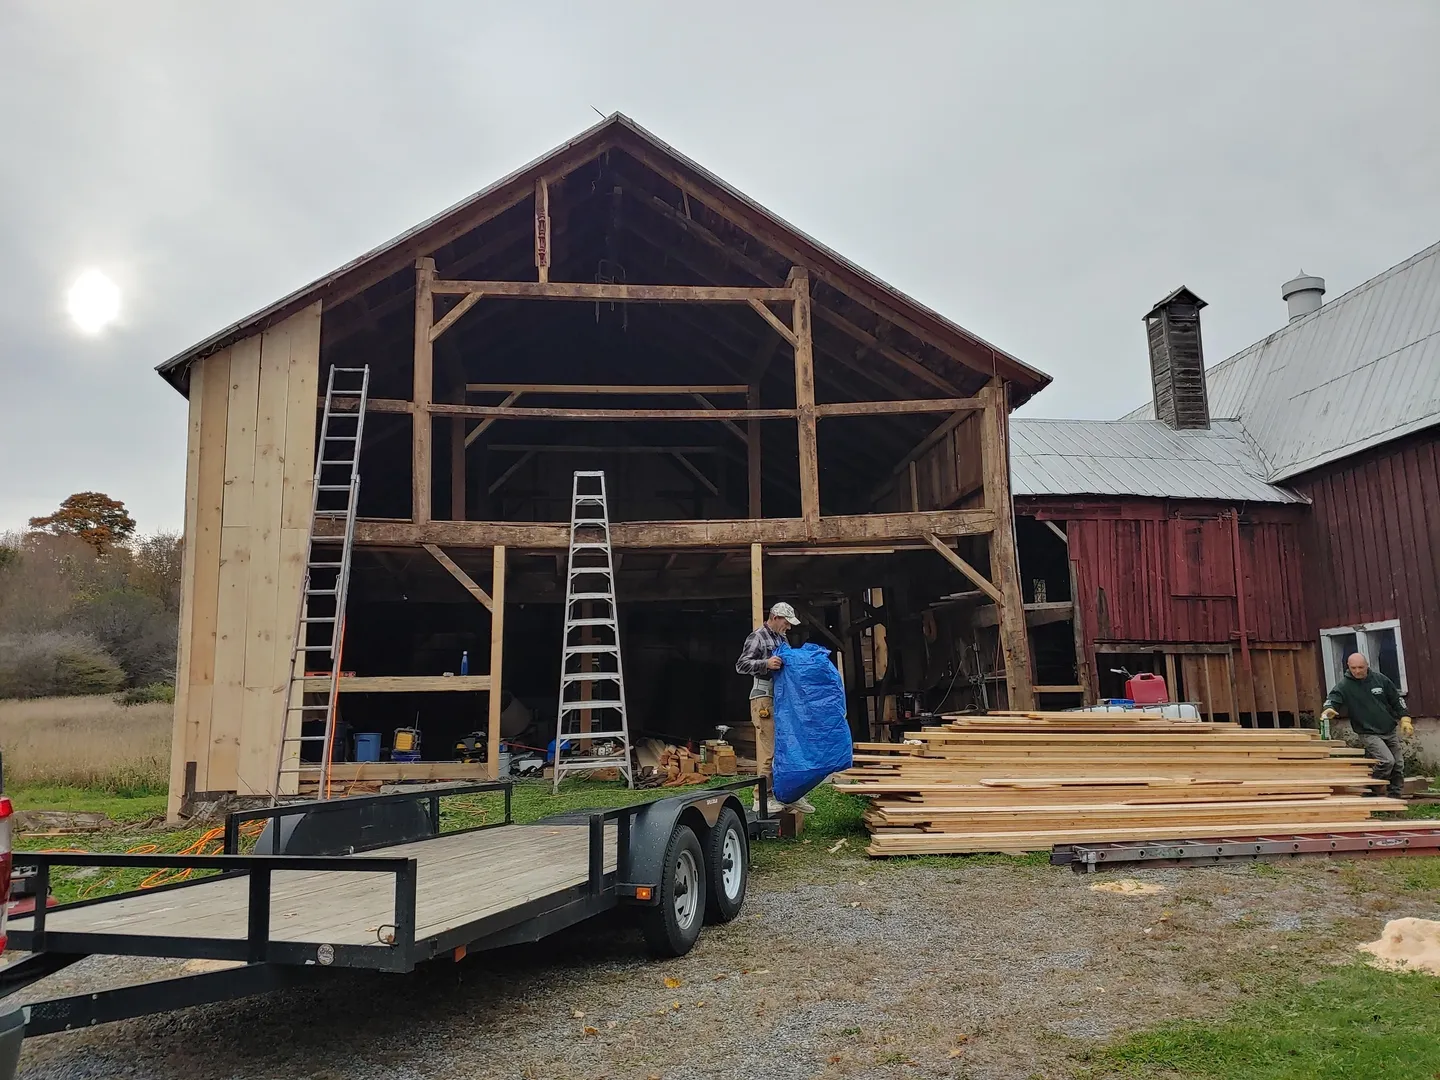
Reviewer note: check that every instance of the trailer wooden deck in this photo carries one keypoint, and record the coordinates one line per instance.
(461, 878)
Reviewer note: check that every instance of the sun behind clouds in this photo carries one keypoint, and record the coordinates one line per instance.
(93, 302)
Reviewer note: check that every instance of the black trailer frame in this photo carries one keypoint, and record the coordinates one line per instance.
(642, 832)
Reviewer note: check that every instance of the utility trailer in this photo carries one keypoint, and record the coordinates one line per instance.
(372, 882)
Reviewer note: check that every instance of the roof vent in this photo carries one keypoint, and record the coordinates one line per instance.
(1304, 294)
(1177, 361)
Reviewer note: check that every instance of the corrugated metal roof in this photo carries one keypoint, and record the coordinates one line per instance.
(1362, 370)
(1138, 458)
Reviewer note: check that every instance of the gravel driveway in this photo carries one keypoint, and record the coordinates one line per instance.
(843, 968)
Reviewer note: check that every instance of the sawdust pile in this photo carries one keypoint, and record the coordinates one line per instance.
(1407, 945)
(1128, 887)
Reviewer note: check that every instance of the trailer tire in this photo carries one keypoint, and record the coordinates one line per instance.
(671, 926)
(727, 867)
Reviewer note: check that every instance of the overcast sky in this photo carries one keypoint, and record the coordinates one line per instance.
(1039, 172)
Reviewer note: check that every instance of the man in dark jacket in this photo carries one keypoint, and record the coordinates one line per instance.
(1377, 715)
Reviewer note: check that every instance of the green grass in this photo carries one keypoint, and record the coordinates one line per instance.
(139, 804)
(1356, 1024)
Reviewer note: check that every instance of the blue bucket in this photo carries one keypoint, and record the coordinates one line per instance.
(367, 746)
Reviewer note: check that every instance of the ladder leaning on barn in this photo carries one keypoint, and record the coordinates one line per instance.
(320, 621)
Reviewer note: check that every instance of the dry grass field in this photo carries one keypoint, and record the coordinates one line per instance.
(86, 742)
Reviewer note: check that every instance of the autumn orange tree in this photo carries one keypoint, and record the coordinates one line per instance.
(97, 519)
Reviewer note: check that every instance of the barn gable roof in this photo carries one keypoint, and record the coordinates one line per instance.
(929, 339)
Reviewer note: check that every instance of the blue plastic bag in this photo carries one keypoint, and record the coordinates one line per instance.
(812, 733)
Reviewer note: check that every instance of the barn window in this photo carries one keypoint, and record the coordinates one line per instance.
(1378, 642)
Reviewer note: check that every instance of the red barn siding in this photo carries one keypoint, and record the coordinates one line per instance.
(1163, 572)
(1372, 545)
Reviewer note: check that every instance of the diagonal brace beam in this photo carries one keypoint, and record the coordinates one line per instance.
(460, 576)
(980, 581)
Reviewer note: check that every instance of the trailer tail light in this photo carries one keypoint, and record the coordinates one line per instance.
(7, 808)
(642, 892)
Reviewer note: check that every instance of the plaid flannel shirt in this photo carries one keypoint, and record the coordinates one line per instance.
(759, 647)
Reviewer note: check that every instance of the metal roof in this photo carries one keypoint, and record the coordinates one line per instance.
(1139, 458)
(616, 127)
(1360, 371)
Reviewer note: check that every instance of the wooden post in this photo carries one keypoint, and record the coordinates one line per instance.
(423, 392)
(799, 283)
(457, 468)
(1170, 679)
(497, 659)
(542, 229)
(1004, 565)
(1082, 657)
(752, 450)
(757, 585)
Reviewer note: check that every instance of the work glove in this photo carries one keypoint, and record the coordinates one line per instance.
(1407, 726)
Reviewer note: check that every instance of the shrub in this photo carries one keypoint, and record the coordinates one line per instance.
(145, 695)
(134, 628)
(51, 663)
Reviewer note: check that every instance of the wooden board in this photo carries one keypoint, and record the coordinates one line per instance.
(392, 771)
(400, 684)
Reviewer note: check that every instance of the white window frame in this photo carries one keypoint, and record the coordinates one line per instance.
(1333, 669)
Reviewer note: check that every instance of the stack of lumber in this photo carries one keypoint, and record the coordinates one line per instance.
(1028, 781)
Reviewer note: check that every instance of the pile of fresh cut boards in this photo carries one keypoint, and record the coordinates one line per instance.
(1012, 782)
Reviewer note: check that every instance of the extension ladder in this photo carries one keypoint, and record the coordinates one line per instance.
(592, 682)
(320, 620)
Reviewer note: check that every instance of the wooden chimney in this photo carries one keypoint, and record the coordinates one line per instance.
(1177, 361)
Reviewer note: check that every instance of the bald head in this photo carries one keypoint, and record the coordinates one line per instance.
(1358, 665)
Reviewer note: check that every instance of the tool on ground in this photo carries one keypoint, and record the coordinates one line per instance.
(1088, 858)
(597, 714)
(320, 620)
(471, 749)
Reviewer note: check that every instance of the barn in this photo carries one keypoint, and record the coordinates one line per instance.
(773, 423)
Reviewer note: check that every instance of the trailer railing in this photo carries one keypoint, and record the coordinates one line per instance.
(397, 939)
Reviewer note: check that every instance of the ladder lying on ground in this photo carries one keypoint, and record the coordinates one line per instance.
(320, 622)
(591, 668)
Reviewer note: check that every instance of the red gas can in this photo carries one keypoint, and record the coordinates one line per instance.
(1146, 689)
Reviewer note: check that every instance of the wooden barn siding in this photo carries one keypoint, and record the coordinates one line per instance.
(1372, 545)
(1129, 553)
(250, 461)
(945, 475)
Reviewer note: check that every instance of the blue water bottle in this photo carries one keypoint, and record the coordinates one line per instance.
(465, 662)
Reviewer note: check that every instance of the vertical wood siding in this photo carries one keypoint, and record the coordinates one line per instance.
(1372, 551)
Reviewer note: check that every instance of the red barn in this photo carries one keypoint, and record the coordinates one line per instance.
(1243, 557)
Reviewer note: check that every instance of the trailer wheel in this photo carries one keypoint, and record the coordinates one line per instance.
(672, 926)
(727, 865)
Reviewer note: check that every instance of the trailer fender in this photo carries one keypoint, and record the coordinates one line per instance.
(650, 832)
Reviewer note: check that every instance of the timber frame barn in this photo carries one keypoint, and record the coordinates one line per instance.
(774, 423)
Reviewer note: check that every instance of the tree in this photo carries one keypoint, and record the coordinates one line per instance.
(102, 522)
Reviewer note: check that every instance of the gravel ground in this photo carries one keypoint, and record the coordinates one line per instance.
(842, 968)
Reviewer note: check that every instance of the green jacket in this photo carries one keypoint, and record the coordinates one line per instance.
(1372, 704)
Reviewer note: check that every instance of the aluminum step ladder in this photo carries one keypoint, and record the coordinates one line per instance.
(320, 621)
(592, 681)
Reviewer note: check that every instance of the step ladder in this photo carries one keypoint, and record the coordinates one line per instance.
(320, 620)
(592, 682)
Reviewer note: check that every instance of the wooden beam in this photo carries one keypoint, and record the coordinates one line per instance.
(1072, 689)
(1004, 563)
(542, 229)
(460, 576)
(980, 581)
(704, 480)
(605, 388)
(754, 469)
(805, 397)
(1057, 531)
(497, 660)
(423, 391)
(490, 421)
(584, 290)
(729, 425)
(453, 315)
(914, 487)
(457, 468)
(499, 481)
(738, 533)
(400, 684)
(770, 317)
(578, 448)
(757, 584)
(941, 430)
(889, 408)
(507, 412)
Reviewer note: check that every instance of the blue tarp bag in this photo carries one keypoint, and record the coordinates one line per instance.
(812, 733)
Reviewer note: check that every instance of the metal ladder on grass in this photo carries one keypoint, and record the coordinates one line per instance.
(591, 664)
(320, 620)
